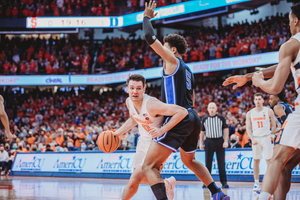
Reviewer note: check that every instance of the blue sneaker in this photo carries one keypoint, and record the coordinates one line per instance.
(220, 196)
(258, 191)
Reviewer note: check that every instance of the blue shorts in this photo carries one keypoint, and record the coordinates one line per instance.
(185, 134)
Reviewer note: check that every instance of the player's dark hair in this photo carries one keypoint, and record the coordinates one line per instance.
(178, 41)
(296, 10)
(137, 77)
(281, 96)
(259, 94)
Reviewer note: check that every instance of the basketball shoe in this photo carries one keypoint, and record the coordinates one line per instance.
(255, 187)
(220, 196)
(170, 184)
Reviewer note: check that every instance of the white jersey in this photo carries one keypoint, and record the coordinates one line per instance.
(295, 68)
(260, 122)
(144, 120)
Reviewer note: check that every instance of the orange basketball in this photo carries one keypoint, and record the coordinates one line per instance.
(108, 141)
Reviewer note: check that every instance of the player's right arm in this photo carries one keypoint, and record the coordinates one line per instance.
(249, 128)
(4, 119)
(273, 121)
(167, 55)
(240, 80)
(128, 125)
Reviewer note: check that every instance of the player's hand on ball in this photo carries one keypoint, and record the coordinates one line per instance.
(257, 78)
(240, 80)
(149, 9)
(155, 132)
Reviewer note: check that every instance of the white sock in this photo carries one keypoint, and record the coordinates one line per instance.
(264, 196)
(256, 182)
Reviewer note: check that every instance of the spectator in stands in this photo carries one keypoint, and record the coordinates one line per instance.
(4, 158)
(234, 142)
(48, 148)
(42, 138)
(130, 140)
(212, 51)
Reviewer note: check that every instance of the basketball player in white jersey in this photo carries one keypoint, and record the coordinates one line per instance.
(286, 152)
(148, 113)
(258, 124)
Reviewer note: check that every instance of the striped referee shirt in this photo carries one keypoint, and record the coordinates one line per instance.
(213, 126)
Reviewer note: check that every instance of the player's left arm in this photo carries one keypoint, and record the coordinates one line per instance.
(156, 108)
(279, 111)
(167, 55)
(287, 53)
(273, 121)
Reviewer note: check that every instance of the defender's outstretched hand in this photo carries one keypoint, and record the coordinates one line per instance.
(149, 9)
(240, 80)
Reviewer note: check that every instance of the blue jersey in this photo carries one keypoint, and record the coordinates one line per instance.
(287, 109)
(177, 88)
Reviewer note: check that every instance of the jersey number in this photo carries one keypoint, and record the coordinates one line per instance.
(188, 79)
(260, 124)
(146, 127)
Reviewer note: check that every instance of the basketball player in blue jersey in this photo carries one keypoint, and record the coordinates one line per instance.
(285, 153)
(280, 107)
(177, 88)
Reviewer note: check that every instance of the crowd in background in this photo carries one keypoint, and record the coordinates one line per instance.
(73, 56)
(64, 121)
(44, 120)
(39, 8)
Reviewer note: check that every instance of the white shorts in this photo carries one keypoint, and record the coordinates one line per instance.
(264, 145)
(141, 152)
(290, 131)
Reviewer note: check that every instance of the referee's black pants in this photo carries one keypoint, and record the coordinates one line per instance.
(216, 145)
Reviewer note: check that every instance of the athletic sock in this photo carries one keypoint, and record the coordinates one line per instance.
(264, 196)
(159, 191)
(213, 188)
(256, 182)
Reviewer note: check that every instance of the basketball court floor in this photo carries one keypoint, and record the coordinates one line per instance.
(52, 188)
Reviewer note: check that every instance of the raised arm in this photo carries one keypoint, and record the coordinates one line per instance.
(240, 80)
(167, 55)
(287, 53)
(156, 108)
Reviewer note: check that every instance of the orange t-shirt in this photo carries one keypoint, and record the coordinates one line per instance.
(31, 140)
(59, 140)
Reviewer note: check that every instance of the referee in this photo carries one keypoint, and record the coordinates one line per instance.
(213, 126)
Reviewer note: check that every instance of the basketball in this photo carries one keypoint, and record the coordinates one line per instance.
(108, 142)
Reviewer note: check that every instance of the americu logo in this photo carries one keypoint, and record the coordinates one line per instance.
(70, 163)
(31, 163)
(236, 163)
(116, 163)
(174, 165)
